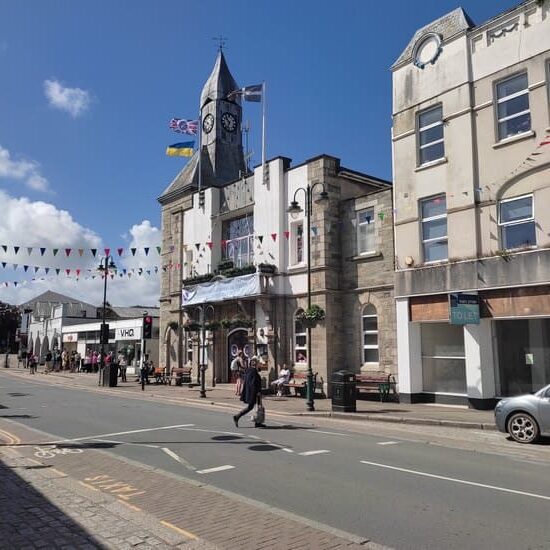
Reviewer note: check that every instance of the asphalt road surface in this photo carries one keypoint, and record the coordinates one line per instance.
(397, 491)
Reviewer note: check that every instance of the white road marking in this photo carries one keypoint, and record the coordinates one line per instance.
(217, 469)
(388, 443)
(311, 453)
(122, 433)
(455, 480)
(328, 433)
(177, 458)
(287, 450)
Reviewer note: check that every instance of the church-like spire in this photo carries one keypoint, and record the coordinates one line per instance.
(220, 83)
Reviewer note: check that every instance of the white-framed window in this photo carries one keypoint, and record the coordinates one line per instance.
(188, 349)
(431, 145)
(297, 243)
(513, 115)
(369, 324)
(516, 219)
(433, 212)
(238, 237)
(365, 231)
(300, 340)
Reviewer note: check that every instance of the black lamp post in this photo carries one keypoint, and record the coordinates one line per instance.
(203, 310)
(104, 267)
(295, 208)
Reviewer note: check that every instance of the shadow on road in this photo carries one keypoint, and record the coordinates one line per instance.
(29, 519)
(17, 416)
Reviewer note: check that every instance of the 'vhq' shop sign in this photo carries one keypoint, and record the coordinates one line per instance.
(463, 309)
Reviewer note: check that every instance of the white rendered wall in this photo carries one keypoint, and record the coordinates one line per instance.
(478, 349)
(409, 359)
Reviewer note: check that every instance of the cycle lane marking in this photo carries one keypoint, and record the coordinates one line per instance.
(456, 480)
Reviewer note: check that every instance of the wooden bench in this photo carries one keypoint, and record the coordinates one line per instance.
(298, 381)
(380, 382)
(179, 376)
(160, 375)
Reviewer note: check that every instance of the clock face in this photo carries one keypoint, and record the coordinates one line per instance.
(208, 123)
(229, 122)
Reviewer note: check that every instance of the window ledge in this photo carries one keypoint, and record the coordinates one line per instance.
(296, 268)
(513, 139)
(366, 257)
(431, 164)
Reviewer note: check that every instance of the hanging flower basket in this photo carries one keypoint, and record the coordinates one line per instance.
(192, 327)
(212, 326)
(311, 316)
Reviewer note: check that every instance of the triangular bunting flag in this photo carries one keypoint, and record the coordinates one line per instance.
(93, 251)
(261, 238)
(129, 275)
(25, 267)
(314, 231)
(286, 234)
(107, 251)
(197, 246)
(156, 269)
(36, 269)
(15, 266)
(5, 248)
(80, 252)
(120, 250)
(112, 276)
(381, 215)
(16, 248)
(46, 270)
(146, 250)
(42, 250)
(29, 250)
(68, 271)
(57, 270)
(4, 265)
(68, 252)
(274, 236)
(209, 244)
(158, 249)
(15, 283)
(133, 251)
(148, 271)
(124, 271)
(78, 272)
(55, 251)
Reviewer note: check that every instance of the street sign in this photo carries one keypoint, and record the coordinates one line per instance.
(463, 309)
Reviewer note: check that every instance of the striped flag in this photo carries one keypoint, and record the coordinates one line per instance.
(250, 93)
(184, 149)
(182, 126)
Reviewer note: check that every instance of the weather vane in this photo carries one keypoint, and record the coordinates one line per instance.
(221, 40)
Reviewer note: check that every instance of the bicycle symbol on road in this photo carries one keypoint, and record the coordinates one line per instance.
(51, 451)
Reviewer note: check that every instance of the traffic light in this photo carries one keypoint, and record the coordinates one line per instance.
(147, 327)
(201, 198)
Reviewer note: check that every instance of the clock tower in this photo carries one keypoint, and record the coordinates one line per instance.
(222, 158)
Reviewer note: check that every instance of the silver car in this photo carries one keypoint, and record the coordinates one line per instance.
(525, 417)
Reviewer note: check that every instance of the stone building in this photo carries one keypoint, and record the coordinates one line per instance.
(471, 188)
(232, 253)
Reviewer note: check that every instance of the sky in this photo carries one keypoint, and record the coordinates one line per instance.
(87, 89)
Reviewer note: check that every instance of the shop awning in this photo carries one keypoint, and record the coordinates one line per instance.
(225, 289)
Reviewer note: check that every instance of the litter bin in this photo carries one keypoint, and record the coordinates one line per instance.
(343, 391)
(110, 375)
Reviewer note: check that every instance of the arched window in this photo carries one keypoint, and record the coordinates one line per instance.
(369, 321)
(300, 340)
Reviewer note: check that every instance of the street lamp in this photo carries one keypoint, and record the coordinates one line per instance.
(295, 208)
(203, 310)
(104, 267)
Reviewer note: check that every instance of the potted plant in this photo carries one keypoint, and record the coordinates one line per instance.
(267, 268)
(312, 315)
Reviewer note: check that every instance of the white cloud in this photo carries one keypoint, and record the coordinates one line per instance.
(27, 171)
(36, 224)
(74, 101)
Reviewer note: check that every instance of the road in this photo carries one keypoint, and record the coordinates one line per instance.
(385, 484)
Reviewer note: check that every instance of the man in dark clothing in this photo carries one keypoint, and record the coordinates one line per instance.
(252, 386)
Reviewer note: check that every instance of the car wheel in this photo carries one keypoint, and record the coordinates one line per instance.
(523, 428)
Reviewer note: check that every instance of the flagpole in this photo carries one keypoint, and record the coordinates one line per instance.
(263, 132)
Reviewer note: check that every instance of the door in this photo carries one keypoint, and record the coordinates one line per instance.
(237, 341)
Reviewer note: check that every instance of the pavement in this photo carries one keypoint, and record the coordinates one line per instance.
(224, 395)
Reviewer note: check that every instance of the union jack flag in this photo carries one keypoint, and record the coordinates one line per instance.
(182, 126)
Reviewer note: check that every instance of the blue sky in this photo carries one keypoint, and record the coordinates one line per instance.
(137, 64)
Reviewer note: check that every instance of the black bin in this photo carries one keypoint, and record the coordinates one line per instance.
(110, 375)
(343, 391)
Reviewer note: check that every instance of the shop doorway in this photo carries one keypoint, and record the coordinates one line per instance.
(237, 341)
(523, 355)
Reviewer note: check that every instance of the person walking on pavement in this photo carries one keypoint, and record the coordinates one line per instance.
(237, 368)
(122, 365)
(252, 386)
